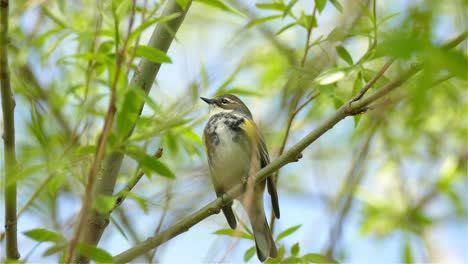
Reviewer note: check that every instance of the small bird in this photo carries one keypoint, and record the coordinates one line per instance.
(236, 150)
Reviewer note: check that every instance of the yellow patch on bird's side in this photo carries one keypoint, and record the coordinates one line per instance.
(249, 127)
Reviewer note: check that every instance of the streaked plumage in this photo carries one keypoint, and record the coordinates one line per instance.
(234, 143)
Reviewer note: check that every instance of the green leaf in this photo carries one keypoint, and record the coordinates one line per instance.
(183, 3)
(400, 45)
(94, 253)
(344, 54)
(243, 92)
(366, 11)
(289, 7)
(287, 232)
(261, 20)
(453, 61)
(387, 18)
(249, 254)
(218, 4)
(122, 8)
(318, 258)
(128, 113)
(330, 77)
(407, 254)
(141, 201)
(307, 21)
(288, 26)
(149, 163)
(150, 22)
(152, 54)
(337, 5)
(337, 34)
(320, 4)
(338, 102)
(103, 203)
(271, 6)
(54, 249)
(233, 233)
(44, 235)
(295, 249)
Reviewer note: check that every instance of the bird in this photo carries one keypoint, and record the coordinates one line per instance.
(236, 150)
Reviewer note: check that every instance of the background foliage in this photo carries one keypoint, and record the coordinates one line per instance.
(391, 182)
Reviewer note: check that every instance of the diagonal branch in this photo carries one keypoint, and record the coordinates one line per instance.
(215, 206)
(8, 110)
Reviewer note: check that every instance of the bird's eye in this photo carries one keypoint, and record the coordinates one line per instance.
(224, 101)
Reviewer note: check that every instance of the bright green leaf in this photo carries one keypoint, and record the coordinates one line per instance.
(287, 232)
(318, 258)
(152, 54)
(330, 77)
(261, 20)
(279, 6)
(288, 26)
(295, 249)
(128, 113)
(320, 5)
(221, 5)
(344, 54)
(95, 253)
(183, 3)
(150, 22)
(44, 235)
(103, 203)
(233, 233)
(338, 102)
(337, 5)
(54, 249)
(407, 254)
(249, 254)
(337, 34)
(289, 7)
(149, 163)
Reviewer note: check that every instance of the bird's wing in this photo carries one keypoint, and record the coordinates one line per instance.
(227, 210)
(265, 160)
(253, 131)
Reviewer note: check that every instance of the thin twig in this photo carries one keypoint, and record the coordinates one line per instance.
(101, 146)
(309, 34)
(372, 81)
(120, 197)
(8, 110)
(348, 189)
(167, 202)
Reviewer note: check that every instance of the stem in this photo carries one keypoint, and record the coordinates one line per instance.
(8, 107)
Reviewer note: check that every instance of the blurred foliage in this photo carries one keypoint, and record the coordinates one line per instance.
(275, 54)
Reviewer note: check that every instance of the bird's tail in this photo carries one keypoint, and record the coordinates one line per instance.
(263, 238)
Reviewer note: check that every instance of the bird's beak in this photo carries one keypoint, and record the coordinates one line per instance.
(207, 100)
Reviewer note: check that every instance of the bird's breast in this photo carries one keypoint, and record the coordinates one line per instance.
(231, 151)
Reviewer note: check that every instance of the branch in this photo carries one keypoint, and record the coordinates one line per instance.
(215, 206)
(143, 78)
(8, 110)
